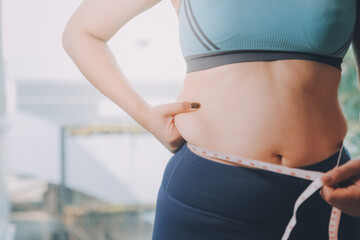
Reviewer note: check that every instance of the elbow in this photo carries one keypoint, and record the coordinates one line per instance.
(68, 39)
(66, 42)
(73, 38)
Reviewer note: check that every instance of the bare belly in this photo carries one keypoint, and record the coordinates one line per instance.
(283, 112)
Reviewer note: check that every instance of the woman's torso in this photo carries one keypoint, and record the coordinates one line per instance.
(284, 112)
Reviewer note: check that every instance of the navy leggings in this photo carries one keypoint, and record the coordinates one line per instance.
(202, 199)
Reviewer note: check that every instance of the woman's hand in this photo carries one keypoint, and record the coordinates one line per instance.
(160, 123)
(342, 187)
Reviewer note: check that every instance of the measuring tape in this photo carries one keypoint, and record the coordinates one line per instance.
(314, 176)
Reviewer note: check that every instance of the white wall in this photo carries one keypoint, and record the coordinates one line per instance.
(33, 32)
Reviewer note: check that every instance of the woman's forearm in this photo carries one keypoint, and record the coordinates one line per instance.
(97, 63)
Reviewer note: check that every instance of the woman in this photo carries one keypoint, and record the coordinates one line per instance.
(264, 79)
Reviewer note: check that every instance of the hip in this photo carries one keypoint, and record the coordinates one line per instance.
(249, 200)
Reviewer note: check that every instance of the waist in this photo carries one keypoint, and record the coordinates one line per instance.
(283, 112)
(264, 180)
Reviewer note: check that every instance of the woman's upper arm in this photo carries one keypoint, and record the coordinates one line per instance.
(103, 18)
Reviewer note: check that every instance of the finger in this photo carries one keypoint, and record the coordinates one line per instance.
(344, 172)
(346, 199)
(321, 192)
(327, 194)
(340, 196)
(180, 107)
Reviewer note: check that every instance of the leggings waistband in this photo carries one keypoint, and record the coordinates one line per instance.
(294, 172)
(204, 199)
(322, 166)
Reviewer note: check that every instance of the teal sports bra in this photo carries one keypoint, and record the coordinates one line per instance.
(219, 32)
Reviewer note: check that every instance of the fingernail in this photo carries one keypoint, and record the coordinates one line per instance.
(326, 178)
(195, 105)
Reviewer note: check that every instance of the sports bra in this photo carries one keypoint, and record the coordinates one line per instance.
(219, 32)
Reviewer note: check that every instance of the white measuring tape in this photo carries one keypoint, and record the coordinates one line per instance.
(314, 176)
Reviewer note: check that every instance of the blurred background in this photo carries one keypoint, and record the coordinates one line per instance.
(73, 165)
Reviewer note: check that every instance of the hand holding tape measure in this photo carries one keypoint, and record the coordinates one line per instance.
(342, 187)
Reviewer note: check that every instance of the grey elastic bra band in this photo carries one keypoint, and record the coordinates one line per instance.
(210, 60)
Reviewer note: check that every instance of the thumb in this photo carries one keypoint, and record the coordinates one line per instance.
(180, 107)
(344, 172)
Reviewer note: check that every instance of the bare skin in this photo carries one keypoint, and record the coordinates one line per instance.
(284, 112)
